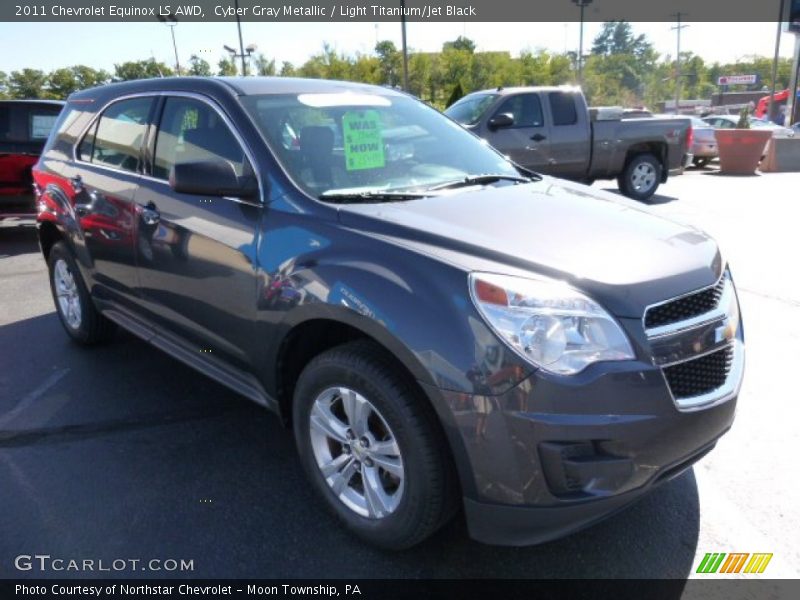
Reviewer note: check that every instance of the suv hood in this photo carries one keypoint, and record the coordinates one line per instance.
(606, 246)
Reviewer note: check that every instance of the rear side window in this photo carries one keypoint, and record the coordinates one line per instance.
(563, 108)
(192, 131)
(525, 108)
(117, 138)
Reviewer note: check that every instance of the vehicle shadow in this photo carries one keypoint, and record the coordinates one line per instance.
(654, 199)
(17, 239)
(129, 453)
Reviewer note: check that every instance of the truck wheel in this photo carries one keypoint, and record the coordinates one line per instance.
(372, 448)
(81, 320)
(641, 177)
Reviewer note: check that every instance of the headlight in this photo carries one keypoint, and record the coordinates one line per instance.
(550, 324)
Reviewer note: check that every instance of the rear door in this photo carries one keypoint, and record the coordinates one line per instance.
(197, 254)
(105, 182)
(570, 139)
(527, 141)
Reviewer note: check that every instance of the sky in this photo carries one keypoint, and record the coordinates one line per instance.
(101, 45)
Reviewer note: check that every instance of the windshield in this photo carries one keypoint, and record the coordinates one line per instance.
(354, 143)
(469, 109)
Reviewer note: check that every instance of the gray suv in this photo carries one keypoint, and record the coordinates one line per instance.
(440, 328)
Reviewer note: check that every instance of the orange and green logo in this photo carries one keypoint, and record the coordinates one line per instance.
(735, 562)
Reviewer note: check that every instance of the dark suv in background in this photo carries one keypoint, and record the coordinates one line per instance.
(440, 327)
(24, 128)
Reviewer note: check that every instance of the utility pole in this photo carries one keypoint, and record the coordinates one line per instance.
(405, 45)
(769, 114)
(678, 28)
(582, 4)
(241, 43)
(172, 21)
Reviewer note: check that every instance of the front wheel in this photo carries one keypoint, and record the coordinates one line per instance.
(641, 177)
(372, 447)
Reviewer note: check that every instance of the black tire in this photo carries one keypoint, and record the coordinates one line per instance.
(91, 326)
(700, 162)
(429, 494)
(629, 181)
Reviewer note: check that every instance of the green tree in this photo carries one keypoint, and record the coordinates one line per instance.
(263, 66)
(288, 70)
(198, 66)
(3, 84)
(616, 37)
(61, 83)
(141, 69)
(390, 60)
(460, 43)
(28, 83)
(227, 67)
(88, 77)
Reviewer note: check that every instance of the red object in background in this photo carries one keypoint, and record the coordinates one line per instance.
(778, 98)
(24, 128)
(15, 173)
(689, 138)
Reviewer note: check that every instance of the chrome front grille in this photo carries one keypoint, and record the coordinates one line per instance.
(685, 307)
(697, 342)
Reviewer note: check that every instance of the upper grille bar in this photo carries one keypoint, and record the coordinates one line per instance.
(685, 307)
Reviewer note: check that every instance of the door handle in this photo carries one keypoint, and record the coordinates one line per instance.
(538, 137)
(84, 208)
(150, 215)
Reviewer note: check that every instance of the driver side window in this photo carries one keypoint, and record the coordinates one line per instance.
(192, 131)
(525, 108)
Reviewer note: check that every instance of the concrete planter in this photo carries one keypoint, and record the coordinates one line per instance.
(783, 155)
(741, 149)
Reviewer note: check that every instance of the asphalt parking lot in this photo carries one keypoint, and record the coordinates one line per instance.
(122, 452)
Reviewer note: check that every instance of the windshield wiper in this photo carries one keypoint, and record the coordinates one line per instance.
(478, 180)
(369, 196)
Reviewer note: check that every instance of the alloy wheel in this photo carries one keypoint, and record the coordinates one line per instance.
(643, 177)
(356, 452)
(69, 300)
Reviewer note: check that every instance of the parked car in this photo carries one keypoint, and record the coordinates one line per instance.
(24, 127)
(550, 130)
(439, 327)
(731, 121)
(704, 147)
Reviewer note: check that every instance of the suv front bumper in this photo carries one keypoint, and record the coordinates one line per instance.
(553, 454)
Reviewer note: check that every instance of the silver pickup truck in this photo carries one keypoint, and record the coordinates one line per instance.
(551, 130)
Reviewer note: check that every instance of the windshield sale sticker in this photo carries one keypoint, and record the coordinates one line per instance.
(363, 141)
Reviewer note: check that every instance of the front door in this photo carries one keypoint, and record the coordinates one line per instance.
(197, 255)
(526, 142)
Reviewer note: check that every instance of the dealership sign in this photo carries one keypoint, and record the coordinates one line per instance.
(737, 80)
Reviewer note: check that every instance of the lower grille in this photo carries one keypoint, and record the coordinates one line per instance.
(700, 375)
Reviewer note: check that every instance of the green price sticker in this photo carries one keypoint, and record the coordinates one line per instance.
(363, 141)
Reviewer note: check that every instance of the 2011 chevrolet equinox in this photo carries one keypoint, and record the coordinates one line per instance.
(440, 326)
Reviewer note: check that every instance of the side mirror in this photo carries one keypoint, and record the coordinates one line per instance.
(501, 120)
(211, 178)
